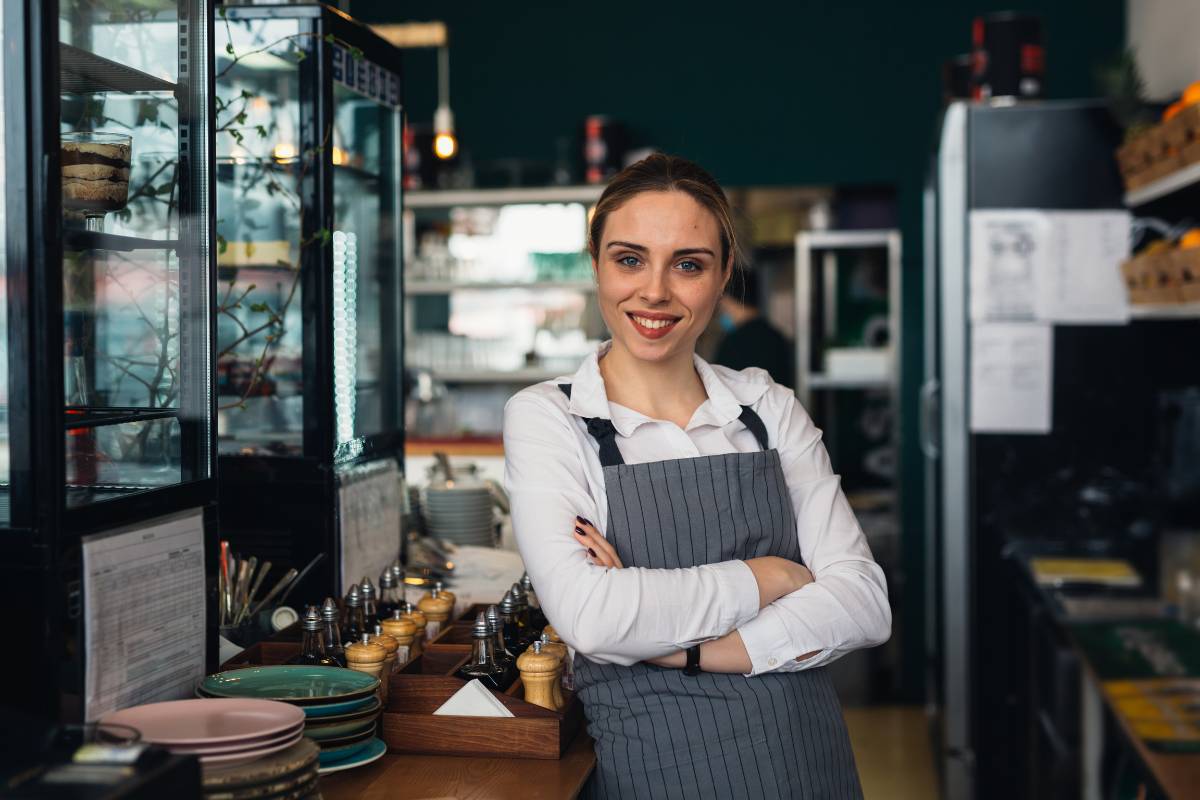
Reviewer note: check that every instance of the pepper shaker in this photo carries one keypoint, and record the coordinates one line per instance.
(437, 609)
(541, 677)
(403, 631)
(391, 646)
(367, 657)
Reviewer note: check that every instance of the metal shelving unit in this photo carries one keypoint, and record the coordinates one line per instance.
(810, 375)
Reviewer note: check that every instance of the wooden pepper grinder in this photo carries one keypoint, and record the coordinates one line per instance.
(541, 675)
(437, 609)
(403, 631)
(559, 649)
(420, 621)
(390, 645)
(367, 657)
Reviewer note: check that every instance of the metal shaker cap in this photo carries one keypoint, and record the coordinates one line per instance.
(537, 647)
(378, 629)
(493, 618)
(507, 604)
(387, 580)
(518, 595)
(312, 619)
(329, 610)
(354, 597)
(526, 583)
(481, 627)
(367, 588)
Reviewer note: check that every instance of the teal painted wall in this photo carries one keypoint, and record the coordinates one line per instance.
(760, 94)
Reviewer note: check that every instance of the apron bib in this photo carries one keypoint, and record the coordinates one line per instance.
(662, 734)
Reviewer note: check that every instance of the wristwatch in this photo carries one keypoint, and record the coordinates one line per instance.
(693, 661)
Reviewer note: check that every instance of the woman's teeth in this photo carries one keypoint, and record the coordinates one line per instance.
(652, 323)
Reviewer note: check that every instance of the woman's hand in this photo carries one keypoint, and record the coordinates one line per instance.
(602, 553)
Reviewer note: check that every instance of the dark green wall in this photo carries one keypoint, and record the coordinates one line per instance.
(761, 93)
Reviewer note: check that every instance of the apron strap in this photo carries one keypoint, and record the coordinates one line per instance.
(754, 424)
(605, 434)
(603, 431)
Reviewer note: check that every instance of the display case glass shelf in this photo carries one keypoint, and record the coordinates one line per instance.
(136, 239)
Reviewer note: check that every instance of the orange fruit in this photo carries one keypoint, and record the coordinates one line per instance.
(1190, 239)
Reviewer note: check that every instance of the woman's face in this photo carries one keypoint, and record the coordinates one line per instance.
(659, 274)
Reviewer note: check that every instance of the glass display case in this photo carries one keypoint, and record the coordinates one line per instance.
(500, 295)
(108, 224)
(309, 319)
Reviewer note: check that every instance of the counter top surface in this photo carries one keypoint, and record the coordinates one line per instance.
(417, 777)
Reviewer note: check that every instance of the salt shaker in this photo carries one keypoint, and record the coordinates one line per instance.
(367, 657)
(403, 630)
(437, 609)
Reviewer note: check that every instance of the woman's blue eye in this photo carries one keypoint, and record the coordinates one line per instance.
(690, 266)
(628, 261)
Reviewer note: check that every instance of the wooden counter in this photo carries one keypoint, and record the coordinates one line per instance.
(413, 777)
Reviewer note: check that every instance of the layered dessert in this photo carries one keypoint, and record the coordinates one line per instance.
(95, 172)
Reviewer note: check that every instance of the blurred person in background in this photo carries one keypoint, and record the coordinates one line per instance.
(750, 340)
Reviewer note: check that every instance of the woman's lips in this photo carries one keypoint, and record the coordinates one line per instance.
(652, 327)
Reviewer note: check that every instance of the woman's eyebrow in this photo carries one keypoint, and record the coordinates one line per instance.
(686, 251)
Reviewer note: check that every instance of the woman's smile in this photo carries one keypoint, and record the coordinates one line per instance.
(652, 325)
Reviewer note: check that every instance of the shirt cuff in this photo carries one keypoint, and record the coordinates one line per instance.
(738, 583)
(772, 646)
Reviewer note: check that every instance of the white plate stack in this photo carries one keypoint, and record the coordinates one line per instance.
(461, 514)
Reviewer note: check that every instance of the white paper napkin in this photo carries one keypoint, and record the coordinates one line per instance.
(473, 700)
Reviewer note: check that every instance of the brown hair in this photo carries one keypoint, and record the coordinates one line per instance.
(663, 173)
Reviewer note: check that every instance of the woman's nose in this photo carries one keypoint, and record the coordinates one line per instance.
(655, 288)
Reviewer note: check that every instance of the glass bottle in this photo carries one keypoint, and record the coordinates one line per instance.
(312, 653)
(501, 653)
(356, 624)
(528, 635)
(536, 618)
(509, 626)
(388, 601)
(482, 664)
(333, 636)
(370, 604)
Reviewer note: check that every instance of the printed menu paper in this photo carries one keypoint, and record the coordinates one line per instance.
(144, 616)
(369, 503)
(1011, 377)
(1051, 266)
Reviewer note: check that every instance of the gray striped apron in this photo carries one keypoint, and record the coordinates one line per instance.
(662, 734)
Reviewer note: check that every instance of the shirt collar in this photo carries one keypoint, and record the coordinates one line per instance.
(727, 392)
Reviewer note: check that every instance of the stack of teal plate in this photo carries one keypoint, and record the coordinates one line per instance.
(341, 707)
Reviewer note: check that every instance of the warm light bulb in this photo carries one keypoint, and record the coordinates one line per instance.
(283, 151)
(445, 145)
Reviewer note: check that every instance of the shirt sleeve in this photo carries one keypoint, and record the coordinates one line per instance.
(846, 607)
(618, 616)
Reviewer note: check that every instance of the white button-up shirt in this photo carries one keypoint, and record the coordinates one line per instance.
(622, 616)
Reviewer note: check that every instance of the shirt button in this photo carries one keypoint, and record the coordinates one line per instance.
(771, 662)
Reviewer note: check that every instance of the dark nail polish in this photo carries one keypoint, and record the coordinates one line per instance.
(582, 520)
(591, 552)
(580, 532)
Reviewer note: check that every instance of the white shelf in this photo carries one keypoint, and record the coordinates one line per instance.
(1165, 311)
(819, 380)
(1169, 184)
(526, 376)
(502, 197)
(445, 287)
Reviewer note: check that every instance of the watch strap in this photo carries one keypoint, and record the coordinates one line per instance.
(693, 661)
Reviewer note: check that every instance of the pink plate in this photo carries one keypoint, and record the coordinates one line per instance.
(250, 755)
(225, 748)
(209, 721)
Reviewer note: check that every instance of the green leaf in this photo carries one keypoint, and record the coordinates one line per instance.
(259, 307)
(222, 246)
(329, 37)
(229, 49)
(262, 131)
(299, 55)
(241, 118)
(356, 53)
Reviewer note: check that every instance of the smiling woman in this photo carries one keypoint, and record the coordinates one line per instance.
(724, 567)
